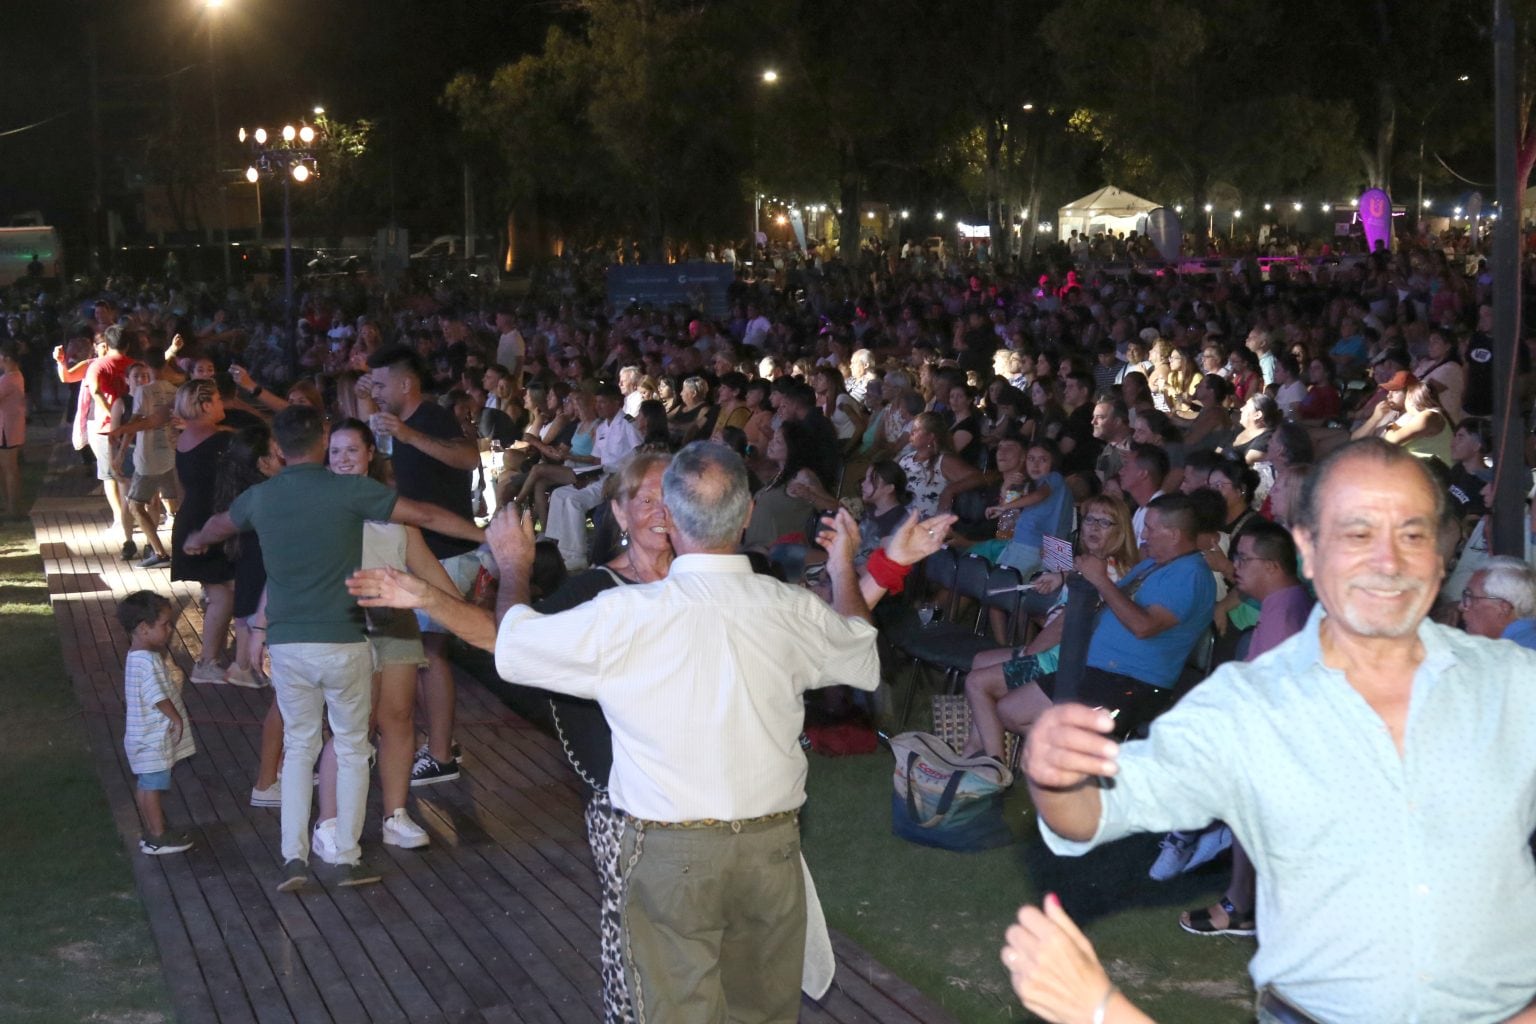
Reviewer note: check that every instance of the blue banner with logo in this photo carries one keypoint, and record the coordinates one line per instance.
(700, 286)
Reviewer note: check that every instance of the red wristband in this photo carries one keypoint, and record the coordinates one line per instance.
(886, 573)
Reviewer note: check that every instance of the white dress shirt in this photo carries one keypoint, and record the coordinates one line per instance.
(701, 676)
(616, 438)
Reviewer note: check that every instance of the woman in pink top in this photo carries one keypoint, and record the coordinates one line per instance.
(13, 427)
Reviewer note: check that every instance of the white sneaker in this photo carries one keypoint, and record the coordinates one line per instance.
(323, 842)
(208, 672)
(239, 675)
(272, 796)
(401, 831)
(1173, 855)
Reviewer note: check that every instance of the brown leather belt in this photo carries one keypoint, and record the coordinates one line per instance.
(1281, 1010)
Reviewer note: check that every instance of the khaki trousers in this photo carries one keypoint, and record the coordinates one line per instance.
(714, 922)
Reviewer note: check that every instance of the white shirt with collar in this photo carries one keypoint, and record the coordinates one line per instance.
(702, 677)
(1139, 518)
(615, 439)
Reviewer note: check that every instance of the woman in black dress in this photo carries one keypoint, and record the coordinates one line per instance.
(644, 556)
(198, 450)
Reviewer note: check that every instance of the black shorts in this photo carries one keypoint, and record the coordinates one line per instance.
(1138, 702)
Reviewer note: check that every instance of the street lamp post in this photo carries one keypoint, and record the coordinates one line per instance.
(213, 7)
(289, 156)
(769, 77)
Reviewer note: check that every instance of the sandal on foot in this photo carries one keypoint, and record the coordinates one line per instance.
(1204, 921)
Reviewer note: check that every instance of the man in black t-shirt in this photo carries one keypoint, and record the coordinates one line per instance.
(1477, 357)
(1079, 448)
(433, 462)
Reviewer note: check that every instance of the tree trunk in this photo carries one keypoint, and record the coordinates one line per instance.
(997, 226)
(1037, 144)
(1202, 181)
(849, 194)
(1386, 107)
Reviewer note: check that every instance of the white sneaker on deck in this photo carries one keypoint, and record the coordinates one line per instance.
(272, 796)
(208, 672)
(239, 675)
(323, 842)
(401, 831)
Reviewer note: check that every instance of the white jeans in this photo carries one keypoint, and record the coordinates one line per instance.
(335, 679)
(568, 508)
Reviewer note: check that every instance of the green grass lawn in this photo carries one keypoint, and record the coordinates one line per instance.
(937, 918)
(76, 945)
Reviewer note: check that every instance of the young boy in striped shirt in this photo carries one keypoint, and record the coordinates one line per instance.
(157, 734)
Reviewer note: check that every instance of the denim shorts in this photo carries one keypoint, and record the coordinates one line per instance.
(462, 570)
(160, 781)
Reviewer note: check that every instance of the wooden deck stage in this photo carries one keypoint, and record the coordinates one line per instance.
(496, 921)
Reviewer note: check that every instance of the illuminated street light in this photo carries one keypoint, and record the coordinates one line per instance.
(938, 214)
(1209, 207)
(319, 111)
(1029, 106)
(1354, 202)
(770, 76)
(1456, 212)
(1327, 208)
(1267, 206)
(905, 214)
(1178, 208)
(1238, 214)
(291, 160)
(1426, 204)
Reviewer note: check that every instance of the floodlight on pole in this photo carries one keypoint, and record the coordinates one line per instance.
(290, 159)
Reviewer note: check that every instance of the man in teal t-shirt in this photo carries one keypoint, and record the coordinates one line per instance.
(310, 522)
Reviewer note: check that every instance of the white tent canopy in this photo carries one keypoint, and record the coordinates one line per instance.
(1108, 209)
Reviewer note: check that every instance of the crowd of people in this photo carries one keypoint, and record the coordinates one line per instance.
(831, 427)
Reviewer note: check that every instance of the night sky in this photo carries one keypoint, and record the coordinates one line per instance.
(386, 60)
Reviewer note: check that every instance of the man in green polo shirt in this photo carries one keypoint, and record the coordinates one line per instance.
(310, 522)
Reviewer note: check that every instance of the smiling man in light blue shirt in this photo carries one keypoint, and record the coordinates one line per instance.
(1379, 769)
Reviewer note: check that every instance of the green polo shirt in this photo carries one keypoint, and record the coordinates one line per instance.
(310, 522)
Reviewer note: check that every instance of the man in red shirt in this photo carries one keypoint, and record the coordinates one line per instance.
(106, 382)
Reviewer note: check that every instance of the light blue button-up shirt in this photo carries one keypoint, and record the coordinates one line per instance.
(1390, 888)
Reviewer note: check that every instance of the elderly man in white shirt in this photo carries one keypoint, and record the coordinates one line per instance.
(702, 677)
(569, 505)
